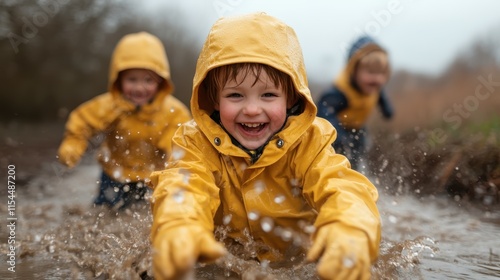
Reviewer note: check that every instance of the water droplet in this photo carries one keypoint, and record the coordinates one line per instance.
(227, 219)
(178, 154)
(126, 188)
(186, 175)
(179, 196)
(253, 215)
(117, 173)
(310, 229)
(348, 262)
(279, 199)
(393, 219)
(267, 224)
(286, 235)
(51, 248)
(259, 187)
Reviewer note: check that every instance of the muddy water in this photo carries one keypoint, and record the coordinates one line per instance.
(59, 235)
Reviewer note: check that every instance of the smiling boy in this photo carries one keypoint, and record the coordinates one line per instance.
(257, 161)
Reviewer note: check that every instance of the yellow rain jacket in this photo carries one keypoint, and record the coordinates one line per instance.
(298, 180)
(136, 140)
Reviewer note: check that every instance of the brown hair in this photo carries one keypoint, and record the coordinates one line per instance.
(217, 78)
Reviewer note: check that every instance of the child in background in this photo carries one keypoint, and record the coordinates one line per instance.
(257, 161)
(138, 117)
(356, 91)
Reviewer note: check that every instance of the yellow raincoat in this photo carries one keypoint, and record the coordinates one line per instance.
(136, 140)
(298, 180)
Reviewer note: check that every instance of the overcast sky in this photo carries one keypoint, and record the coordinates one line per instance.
(421, 35)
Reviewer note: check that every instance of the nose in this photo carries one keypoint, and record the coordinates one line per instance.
(252, 107)
(380, 78)
(136, 85)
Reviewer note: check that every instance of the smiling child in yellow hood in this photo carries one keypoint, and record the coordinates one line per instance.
(137, 117)
(256, 160)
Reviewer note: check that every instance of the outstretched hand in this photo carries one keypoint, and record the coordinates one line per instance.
(342, 251)
(177, 249)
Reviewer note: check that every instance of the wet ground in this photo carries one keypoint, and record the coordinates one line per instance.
(60, 235)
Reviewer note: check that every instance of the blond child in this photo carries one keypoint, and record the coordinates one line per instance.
(257, 161)
(137, 118)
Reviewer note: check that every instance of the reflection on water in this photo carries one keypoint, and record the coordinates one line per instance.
(60, 236)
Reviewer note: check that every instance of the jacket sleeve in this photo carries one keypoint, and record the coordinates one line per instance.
(185, 193)
(85, 121)
(330, 104)
(385, 105)
(176, 115)
(339, 193)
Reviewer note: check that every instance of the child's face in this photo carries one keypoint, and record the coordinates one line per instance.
(372, 75)
(139, 85)
(252, 111)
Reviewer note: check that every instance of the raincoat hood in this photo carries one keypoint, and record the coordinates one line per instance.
(252, 38)
(140, 50)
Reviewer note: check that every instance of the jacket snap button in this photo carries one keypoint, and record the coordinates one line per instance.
(280, 143)
(217, 141)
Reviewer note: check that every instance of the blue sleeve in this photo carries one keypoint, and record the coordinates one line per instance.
(385, 105)
(330, 104)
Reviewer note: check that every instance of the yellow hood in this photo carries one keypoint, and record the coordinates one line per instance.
(279, 49)
(140, 50)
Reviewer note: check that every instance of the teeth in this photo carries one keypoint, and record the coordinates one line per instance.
(252, 124)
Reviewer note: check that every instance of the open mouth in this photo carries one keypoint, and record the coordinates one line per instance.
(252, 127)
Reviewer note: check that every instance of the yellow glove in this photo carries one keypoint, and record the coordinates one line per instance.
(176, 250)
(70, 151)
(342, 251)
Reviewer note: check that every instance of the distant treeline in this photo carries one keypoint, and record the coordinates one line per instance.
(55, 53)
(467, 91)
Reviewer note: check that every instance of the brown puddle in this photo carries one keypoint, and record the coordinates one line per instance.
(59, 235)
